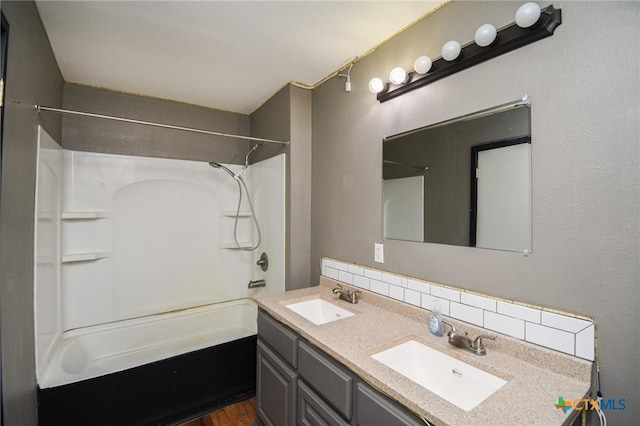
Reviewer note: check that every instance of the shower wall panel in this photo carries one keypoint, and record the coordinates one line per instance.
(142, 235)
(47, 248)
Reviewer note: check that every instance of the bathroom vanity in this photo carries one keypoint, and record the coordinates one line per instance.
(323, 371)
(298, 383)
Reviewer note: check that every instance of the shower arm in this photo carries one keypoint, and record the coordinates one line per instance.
(246, 160)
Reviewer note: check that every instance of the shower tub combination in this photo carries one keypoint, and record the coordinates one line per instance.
(142, 318)
(154, 370)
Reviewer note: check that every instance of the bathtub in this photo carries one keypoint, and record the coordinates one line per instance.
(104, 349)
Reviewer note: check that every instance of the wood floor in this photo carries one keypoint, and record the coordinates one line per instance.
(240, 414)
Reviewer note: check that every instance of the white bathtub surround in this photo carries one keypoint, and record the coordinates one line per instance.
(564, 332)
(124, 237)
(108, 348)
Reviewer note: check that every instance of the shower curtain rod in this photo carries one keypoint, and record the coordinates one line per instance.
(40, 108)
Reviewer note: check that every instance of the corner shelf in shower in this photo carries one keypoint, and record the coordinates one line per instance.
(233, 246)
(232, 213)
(85, 257)
(85, 215)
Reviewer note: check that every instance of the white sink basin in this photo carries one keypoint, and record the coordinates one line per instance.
(319, 311)
(459, 383)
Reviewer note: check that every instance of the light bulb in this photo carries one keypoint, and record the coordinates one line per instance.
(398, 75)
(527, 14)
(422, 65)
(451, 50)
(376, 85)
(485, 35)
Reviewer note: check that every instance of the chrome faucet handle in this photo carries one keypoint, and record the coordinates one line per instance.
(353, 298)
(478, 346)
(453, 329)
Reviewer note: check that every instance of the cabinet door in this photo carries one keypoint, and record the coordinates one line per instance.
(276, 389)
(373, 409)
(313, 411)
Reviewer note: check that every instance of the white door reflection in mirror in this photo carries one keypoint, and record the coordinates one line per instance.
(403, 205)
(504, 198)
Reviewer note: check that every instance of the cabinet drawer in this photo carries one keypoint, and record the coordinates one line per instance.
(332, 381)
(279, 337)
(313, 411)
(374, 409)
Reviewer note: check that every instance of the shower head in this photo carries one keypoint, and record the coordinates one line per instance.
(220, 166)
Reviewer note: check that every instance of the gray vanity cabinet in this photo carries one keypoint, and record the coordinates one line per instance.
(299, 384)
(276, 375)
(376, 410)
(314, 411)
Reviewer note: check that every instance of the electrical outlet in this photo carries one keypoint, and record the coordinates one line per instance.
(378, 254)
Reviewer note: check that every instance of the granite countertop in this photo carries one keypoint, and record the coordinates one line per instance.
(535, 376)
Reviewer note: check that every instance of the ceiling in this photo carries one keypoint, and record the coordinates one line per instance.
(229, 55)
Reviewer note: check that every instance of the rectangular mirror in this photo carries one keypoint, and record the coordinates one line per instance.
(465, 181)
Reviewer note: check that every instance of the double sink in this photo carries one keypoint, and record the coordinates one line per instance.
(461, 384)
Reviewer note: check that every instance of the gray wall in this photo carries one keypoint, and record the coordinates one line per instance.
(586, 202)
(287, 116)
(32, 78)
(107, 136)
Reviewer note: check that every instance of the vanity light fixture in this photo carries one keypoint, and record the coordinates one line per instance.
(451, 50)
(485, 35)
(398, 75)
(531, 24)
(527, 14)
(422, 65)
(376, 85)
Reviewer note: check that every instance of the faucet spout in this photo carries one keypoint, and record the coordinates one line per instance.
(462, 340)
(346, 295)
(257, 283)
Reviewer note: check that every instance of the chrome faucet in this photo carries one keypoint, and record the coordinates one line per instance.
(349, 296)
(460, 340)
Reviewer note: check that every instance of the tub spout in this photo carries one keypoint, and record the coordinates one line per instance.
(257, 283)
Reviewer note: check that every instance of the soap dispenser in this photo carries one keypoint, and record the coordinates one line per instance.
(435, 321)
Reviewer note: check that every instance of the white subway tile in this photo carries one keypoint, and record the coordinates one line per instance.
(445, 293)
(517, 311)
(585, 343)
(420, 286)
(412, 297)
(341, 266)
(360, 281)
(370, 273)
(356, 270)
(555, 331)
(392, 279)
(379, 287)
(396, 292)
(478, 301)
(331, 273)
(345, 277)
(466, 313)
(428, 302)
(564, 322)
(550, 337)
(510, 326)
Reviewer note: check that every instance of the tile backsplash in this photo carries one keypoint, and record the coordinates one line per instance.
(561, 332)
